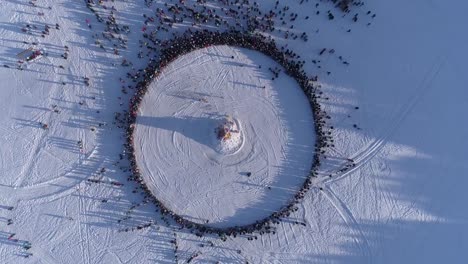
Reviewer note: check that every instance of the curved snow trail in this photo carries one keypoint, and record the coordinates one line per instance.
(176, 127)
(55, 188)
(43, 254)
(365, 155)
(349, 220)
(83, 228)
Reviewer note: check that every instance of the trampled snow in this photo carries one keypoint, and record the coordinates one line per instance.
(181, 158)
(404, 202)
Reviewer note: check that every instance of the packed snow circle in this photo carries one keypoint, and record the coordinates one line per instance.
(376, 181)
(201, 143)
(176, 116)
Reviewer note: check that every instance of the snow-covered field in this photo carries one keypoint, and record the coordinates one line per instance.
(397, 110)
(193, 174)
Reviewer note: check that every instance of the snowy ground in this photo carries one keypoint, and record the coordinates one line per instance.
(176, 127)
(403, 203)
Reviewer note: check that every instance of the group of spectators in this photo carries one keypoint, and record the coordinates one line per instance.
(193, 40)
(237, 24)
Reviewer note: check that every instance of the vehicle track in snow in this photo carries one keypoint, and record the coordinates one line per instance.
(83, 229)
(349, 220)
(55, 188)
(370, 151)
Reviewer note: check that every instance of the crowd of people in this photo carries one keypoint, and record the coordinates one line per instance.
(236, 24)
(193, 40)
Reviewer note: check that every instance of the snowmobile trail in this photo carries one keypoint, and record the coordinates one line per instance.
(44, 255)
(361, 158)
(53, 189)
(83, 229)
(350, 221)
(400, 203)
(32, 160)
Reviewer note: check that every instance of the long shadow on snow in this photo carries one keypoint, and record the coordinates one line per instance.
(418, 176)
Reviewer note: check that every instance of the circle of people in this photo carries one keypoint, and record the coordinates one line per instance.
(190, 41)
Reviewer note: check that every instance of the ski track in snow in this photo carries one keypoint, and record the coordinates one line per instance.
(43, 192)
(365, 155)
(84, 245)
(381, 223)
(350, 221)
(178, 131)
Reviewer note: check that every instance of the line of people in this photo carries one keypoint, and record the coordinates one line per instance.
(190, 41)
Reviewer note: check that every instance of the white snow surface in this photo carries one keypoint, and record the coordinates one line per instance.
(176, 146)
(232, 141)
(404, 202)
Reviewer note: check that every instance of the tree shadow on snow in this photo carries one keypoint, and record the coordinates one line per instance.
(195, 128)
(412, 189)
